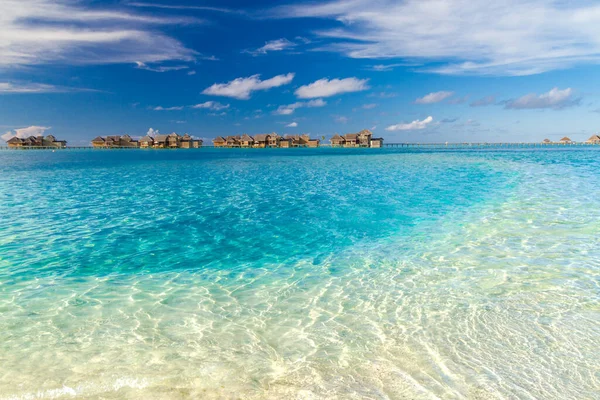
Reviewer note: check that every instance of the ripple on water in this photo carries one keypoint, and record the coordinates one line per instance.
(269, 275)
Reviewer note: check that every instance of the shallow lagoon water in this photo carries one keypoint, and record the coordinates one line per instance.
(302, 273)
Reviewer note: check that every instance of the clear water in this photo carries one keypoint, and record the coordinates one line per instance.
(309, 274)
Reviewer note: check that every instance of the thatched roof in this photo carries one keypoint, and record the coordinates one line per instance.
(263, 137)
(161, 138)
(219, 139)
(147, 139)
(247, 138)
(365, 132)
(186, 137)
(98, 139)
(594, 138)
(566, 139)
(14, 140)
(50, 138)
(126, 138)
(351, 136)
(337, 137)
(233, 138)
(547, 141)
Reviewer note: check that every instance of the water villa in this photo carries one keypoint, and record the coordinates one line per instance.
(594, 139)
(363, 138)
(172, 141)
(36, 142)
(266, 140)
(565, 140)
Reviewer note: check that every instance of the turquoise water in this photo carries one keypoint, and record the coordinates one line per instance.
(310, 274)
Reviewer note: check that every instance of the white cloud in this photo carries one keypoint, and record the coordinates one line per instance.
(161, 108)
(184, 7)
(25, 132)
(191, 73)
(144, 66)
(212, 105)
(292, 125)
(290, 108)
(555, 99)
(390, 67)
(415, 125)
(37, 32)
(369, 106)
(272, 45)
(509, 37)
(327, 88)
(241, 88)
(152, 132)
(10, 88)
(434, 97)
(486, 101)
(341, 119)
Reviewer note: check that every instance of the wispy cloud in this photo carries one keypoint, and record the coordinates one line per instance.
(66, 32)
(25, 132)
(486, 101)
(384, 95)
(554, 99)
(435, 97)
(212, 105)
(144, 66)
(241, 88)
(458, 100)
(292, 125)
(30, 88)
(389, 67)
(161, 108)
(290, 108)
(510, 37)
(327, 88)
(272, 45)
(414, 125)
(184, 7)
(341, 119)
(448, 120)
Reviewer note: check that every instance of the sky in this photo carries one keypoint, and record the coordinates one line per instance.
(410, 71)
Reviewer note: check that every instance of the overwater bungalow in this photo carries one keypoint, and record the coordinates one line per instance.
(376, 142)
(261, 140)
(274, 140)
(36, 141)
(173, 141)
(219, 141)
(246, 141)
(285, 142)
(187, 142)
(146, 142)
(566, 140)
(160, 141)
(594, 139)
(114, 141)
(351, 140)
(313, 142)
(233, 141)
(363, 138)
(337, 141)
(547, 141)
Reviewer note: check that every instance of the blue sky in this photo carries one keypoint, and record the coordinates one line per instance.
(412, 71)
